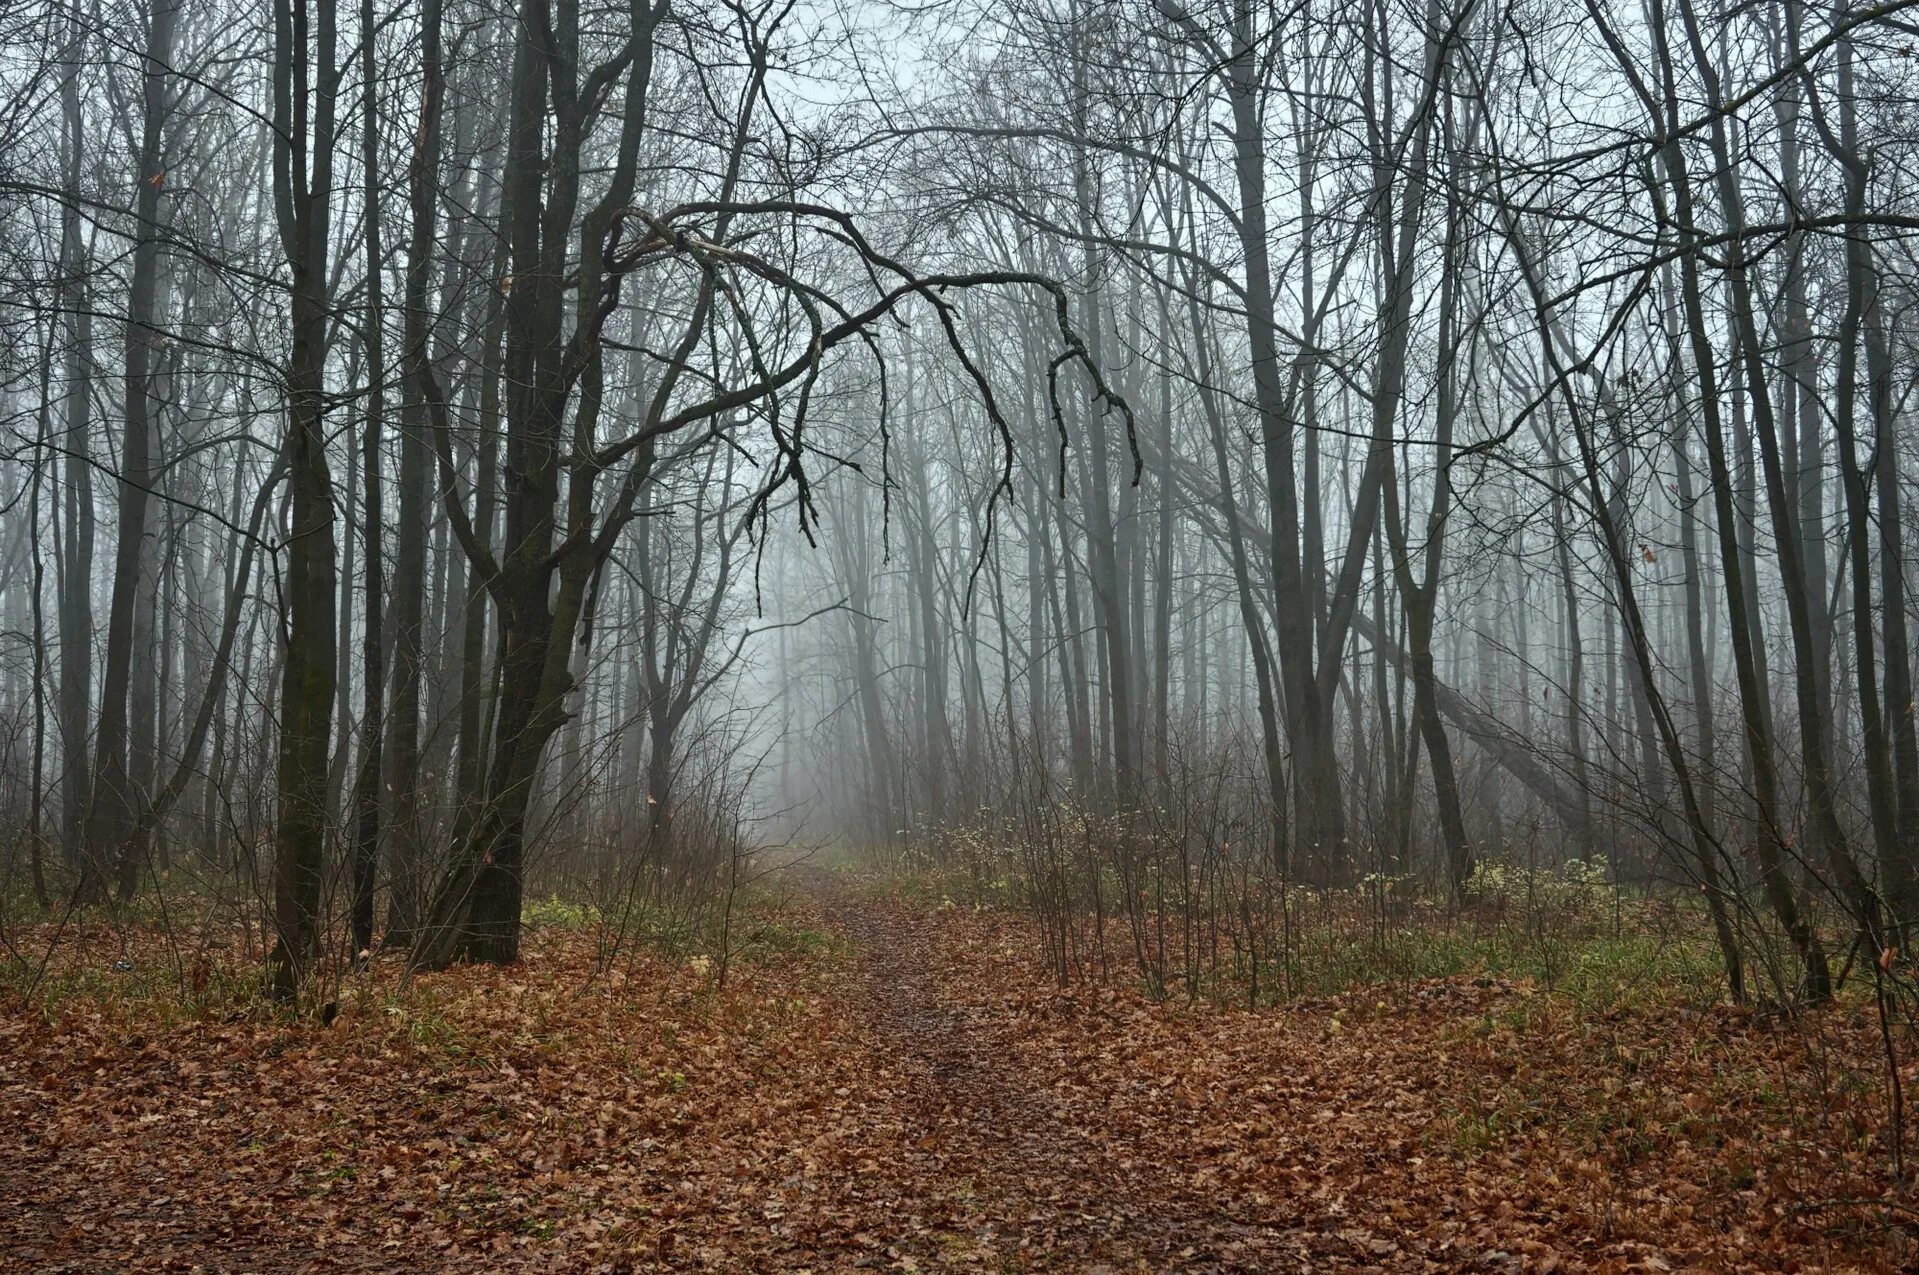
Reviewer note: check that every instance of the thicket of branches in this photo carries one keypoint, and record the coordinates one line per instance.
(396, 399)
(1164, 453)
(1515, 478)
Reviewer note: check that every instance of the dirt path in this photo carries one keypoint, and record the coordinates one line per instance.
(998, 1160)
(1440, 1126)
(925, 1101)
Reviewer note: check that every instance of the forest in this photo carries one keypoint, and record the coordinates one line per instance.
(1091, 635)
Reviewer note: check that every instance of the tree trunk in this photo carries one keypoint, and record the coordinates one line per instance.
(110, 818)
(305, 91)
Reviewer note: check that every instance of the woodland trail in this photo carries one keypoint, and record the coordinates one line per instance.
(894, 1086)
(1008, 1124)
(994, 1160)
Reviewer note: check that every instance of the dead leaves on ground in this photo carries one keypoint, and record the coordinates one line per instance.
(932, 1103)
(1473, 1123)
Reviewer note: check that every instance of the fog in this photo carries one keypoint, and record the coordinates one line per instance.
(455, 455)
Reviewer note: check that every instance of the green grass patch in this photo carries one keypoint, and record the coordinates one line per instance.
(555, 913)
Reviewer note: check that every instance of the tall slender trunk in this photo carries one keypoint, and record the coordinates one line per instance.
(404, 831)
(1705, 851)
(366, 788)
(1770, 843)
(1163, 585)
(77, 524)
(1827, 835)
(473, 640)
(1891, 737)
(1575, 685)
(1107, 574)
(1420, 597)
(936, 742)
(306, 88)
(110, 817)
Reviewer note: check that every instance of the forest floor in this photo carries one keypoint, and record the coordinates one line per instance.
(896, 1086)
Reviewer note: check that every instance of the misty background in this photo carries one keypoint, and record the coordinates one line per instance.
(1139, 456)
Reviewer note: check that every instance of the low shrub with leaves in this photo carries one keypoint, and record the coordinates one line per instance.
(1582, 887)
